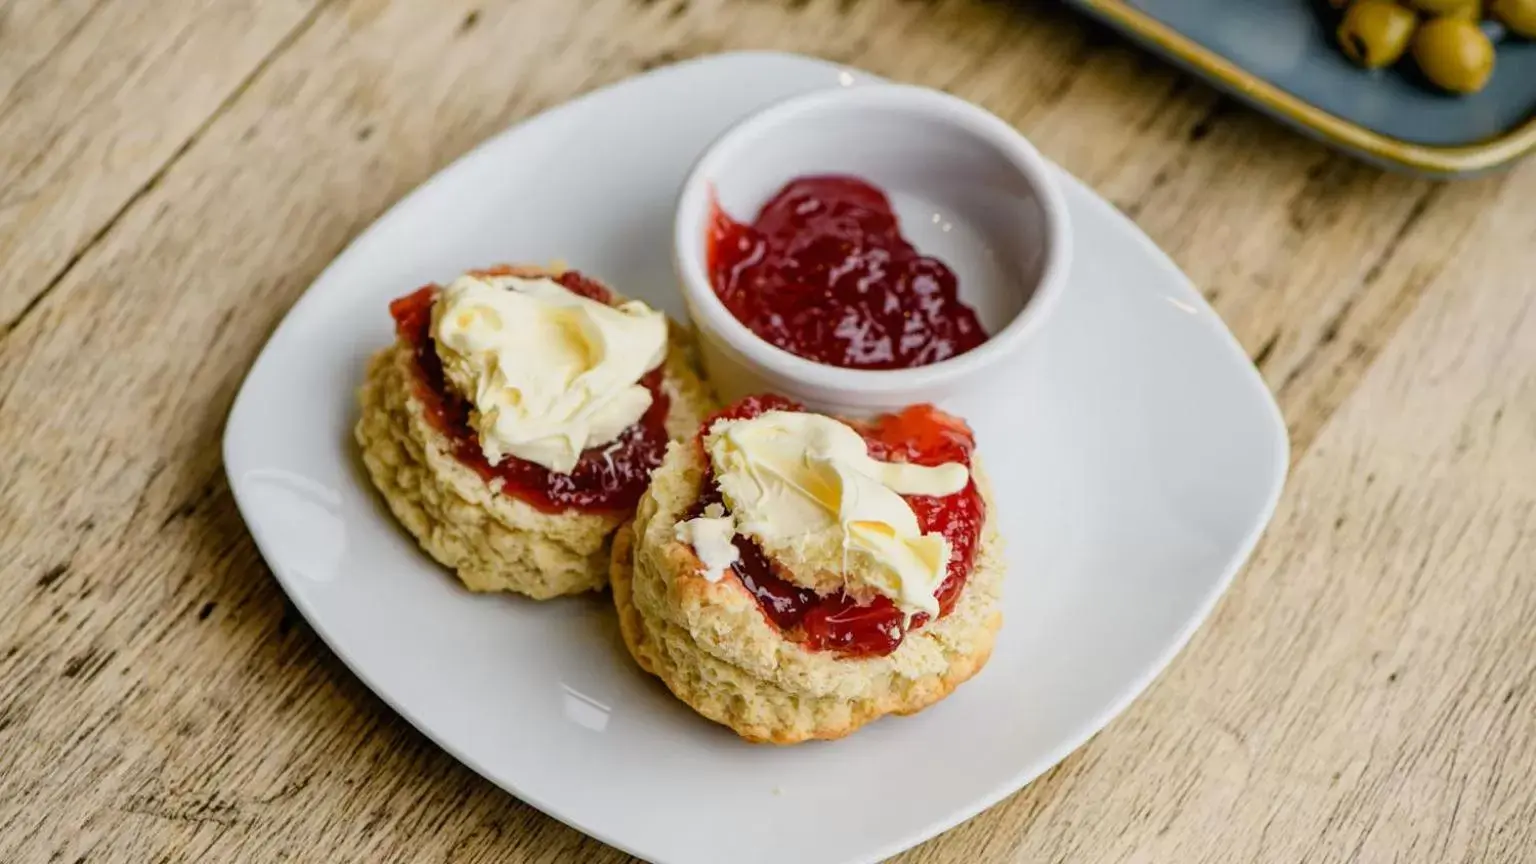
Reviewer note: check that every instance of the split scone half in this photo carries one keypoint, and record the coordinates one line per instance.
(794, 576)
(515, 421)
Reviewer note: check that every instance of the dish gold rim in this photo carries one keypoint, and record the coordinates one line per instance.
(1464, 159)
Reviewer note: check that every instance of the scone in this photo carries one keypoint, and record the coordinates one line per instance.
(515, 421)
(792, 576)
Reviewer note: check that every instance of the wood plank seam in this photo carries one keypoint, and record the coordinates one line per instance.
(1278, 736)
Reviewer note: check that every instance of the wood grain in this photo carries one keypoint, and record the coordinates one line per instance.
(1367, 690)
(185, 169)
(102, 100)
(31, 31)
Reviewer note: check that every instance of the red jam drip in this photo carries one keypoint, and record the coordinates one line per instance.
(920, 434)
(610, 477)
(825, 273)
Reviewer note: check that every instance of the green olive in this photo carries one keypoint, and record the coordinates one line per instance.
(1454, 54)
(1518, 15)
(1374, 33)
(1457, 8)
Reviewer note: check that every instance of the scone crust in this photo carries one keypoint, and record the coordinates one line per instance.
(712, 647)
(493, 542)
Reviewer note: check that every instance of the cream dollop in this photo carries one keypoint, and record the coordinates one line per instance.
(711, 536)
(549, 372)
(806, 489)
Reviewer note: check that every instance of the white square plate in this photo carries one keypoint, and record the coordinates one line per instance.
(1136, 454)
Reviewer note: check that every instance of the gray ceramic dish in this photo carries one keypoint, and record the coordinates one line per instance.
(1280, 56)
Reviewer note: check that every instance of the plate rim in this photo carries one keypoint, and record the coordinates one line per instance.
(1438, 161)
(1029, 771)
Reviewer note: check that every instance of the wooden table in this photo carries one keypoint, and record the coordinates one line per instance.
(174, 174)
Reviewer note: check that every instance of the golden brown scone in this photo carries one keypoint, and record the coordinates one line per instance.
(711, 645)
(494, 542)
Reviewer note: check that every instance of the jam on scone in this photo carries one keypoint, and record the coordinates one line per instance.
(546, 385)
(516, 420)
(848, 534)
(794, 576)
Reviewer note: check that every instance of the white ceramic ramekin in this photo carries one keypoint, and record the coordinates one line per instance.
(968, 189)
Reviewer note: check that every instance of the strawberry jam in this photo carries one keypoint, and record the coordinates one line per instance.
(921, 434)
(610, 477)
(825, 273)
